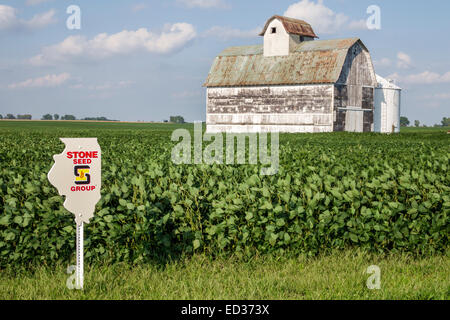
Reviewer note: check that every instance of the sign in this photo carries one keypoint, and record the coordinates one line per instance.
(77, 176)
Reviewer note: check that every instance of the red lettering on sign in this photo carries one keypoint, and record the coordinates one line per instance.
(82, 161)
(82, 188)
(82, 155)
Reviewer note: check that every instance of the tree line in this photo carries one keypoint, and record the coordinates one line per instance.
(10, 116)
(49, 116)
(177, 119)
(404, 122)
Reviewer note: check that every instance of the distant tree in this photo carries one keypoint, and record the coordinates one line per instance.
(10, 116)
(97, 119)
(24, 116)
(1, 117)
(416, 123)
(177, 119)
(47, 116)
(68, 117)
(56, 116)
(404, 122)
(445, 122)
(165, 121)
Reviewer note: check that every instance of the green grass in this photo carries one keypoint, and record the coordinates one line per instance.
(85, 125)
(424, 129)
(340, 275)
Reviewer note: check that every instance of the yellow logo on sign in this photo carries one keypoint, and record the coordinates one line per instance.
(82, 175)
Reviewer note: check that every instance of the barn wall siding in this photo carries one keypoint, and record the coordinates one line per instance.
(280, 119)
(355, 89)
(358, 68)
(272, 99)
(213, 128)
(368, 103)
(305, 106)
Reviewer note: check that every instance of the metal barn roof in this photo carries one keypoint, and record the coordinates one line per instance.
(293, 26)
(311, 62)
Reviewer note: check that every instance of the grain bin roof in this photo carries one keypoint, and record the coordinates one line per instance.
(311, 62)
(386, 83)
(293, 26)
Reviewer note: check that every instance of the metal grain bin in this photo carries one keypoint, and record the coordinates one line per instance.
(387, 106)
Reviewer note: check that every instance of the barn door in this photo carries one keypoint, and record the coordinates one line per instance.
(354, 120)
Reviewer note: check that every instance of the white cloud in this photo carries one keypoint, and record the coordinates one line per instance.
(124, 84)
(173, 38)
(139, 7)
(48, 81)
(438, 96)
(442, 96)
(204, 3)
(357, 25)
(10, 21)
(8, 18)
(104, 86)
(77, 86)
(41, 20)
(187, 94)
(35, 2)
(101, 95)
(384, 62)
(404, 61)
(426, 77)
(226, 33)
(322, 18)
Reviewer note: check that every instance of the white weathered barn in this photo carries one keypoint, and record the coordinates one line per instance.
(292, 83)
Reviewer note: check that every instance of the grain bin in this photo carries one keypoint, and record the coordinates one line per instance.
(387, 106)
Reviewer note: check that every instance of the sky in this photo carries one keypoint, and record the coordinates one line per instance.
(147, 60)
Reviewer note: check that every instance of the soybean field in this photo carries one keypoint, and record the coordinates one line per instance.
(377, 193)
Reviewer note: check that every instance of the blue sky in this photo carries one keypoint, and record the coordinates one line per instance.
(147, 60)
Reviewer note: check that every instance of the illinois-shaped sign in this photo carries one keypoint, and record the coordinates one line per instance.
(77, 176)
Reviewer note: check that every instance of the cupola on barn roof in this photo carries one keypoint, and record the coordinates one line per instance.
(292, 26)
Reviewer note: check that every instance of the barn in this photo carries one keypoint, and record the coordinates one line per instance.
(292, 83)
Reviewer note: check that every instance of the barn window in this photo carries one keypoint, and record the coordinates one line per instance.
(274, 30)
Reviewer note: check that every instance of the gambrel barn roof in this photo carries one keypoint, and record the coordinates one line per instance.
(310, 62)
(292, 26)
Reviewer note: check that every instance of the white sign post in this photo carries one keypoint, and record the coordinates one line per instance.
(79, 280)
(77, 176)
